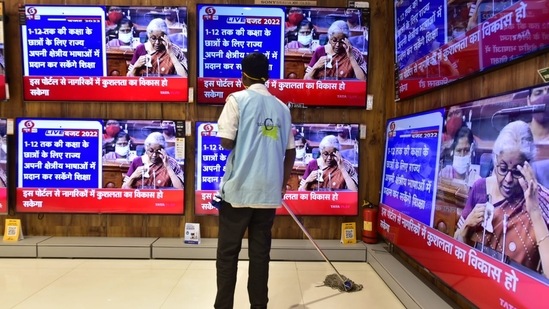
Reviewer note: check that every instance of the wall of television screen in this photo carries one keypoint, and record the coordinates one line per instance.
(459, 197)
(97, 53)
(293, 38)
(438, 42)
(100, 165)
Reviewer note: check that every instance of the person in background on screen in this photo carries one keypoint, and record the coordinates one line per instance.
(295, 16)
(256, 127)
(540, 129)
(305, 32)
(112, 127)
(458, 30)
(301, 150)
(510, 205)
(330, 171)
(540, 121)
(168, 130)
(353, 20)
(124, 34)
(114, 15)
(177, 27)
(154, 169)
(343, 135)
(172, 18)
(461, 153)
(122, 144)
(158, 56)
(338, 59)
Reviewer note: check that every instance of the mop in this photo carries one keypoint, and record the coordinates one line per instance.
(335, 281)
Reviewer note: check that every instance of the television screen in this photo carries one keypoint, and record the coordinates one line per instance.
(410, 165)
(100, 166)
(307, 48)
(104, 53)
(487, 214)
(3, 167)
(324, 179)
(3, 91)
(438, 42)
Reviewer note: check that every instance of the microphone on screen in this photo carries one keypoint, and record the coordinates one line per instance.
(537, 108)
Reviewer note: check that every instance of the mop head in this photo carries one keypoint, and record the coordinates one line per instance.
(334, 282)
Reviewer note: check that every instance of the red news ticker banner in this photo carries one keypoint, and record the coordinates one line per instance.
(3, 95)
(123, 89)
(334, 93)
(326, 203)
(516, 31)
(133, 201)
(3, 200)
(480, 278)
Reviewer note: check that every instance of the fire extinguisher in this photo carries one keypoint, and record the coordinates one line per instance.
(369, 230)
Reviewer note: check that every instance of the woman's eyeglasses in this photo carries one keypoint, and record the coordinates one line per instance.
(154, 151)
(335, 41)
(299, 146)
(153, 39)
(331, 154)
(503, 170)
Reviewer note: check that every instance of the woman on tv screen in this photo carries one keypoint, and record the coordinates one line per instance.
(338, 59)
(507, 213)
(330, 171)
(158, 56)
(154, 169)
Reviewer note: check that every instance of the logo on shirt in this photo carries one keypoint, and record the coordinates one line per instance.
(269, 128)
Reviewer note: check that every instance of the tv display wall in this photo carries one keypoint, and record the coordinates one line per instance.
(453, 195)
(438, 42)
(79, 166)
(104, 53)
(332, 196)
(226, 33)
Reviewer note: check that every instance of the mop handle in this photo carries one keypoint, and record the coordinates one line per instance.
(311, 239)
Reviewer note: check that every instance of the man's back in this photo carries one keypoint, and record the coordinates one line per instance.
(254, 173)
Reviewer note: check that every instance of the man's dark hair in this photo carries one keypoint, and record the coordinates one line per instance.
(256, 66)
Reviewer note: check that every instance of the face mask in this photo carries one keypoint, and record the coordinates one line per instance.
(125, 37)
(461, 164)
(112, 130)
(305, 39)
(300, 153)
(458, 33)
(122, 150)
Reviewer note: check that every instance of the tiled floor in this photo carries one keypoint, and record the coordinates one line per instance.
(84, 283)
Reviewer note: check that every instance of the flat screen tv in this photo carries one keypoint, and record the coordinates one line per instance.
(104, 53)
(292, 38)
(438, 42)
(325, 192)
(3, 167)
(455, 191)
(100, 166)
